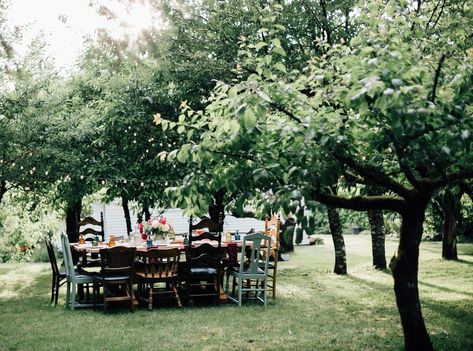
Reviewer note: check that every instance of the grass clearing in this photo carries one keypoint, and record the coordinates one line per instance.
(315, 309)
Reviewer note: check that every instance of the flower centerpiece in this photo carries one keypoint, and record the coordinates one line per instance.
(156, 228)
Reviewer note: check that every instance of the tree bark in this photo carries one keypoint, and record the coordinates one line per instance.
(126, 211)
(3, 189)
(404, 266)
(378, 234)
(287, 235)
(146, 213)
(73, 213)
(338, 242)
(450, 220)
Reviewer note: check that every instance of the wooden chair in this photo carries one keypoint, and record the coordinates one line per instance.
(203, 270)
(159, 266)
(73, 277)
(272, 228)
(116, 275)
(89, 233)
(252, 274)
(58, 277)
(205, 222)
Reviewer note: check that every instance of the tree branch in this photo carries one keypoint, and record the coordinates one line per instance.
(286, 112)
(436, 77)
(375, 176)
(450, 178)
(361, 203)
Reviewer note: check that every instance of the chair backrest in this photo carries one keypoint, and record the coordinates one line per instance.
(66, 250)
(272, 228)
(52, 256)
(215, 227)
(204, 255)
(160, 263)
(252, 257)
(207, 236)
(117, 260)
(89, 233)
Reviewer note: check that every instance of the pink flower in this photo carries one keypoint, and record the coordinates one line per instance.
(162, 220)
(140, 228)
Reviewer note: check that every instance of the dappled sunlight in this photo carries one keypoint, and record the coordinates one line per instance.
(295, 291)
(17, 278)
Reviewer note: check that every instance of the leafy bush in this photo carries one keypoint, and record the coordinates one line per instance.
(23, 226)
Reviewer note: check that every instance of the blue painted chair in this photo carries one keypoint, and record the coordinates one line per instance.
(73, 277)
(252, 274)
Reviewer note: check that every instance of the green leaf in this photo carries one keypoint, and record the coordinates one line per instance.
(276, 42)
(249, 119)
(280, 67)
(184, 153)
(260, 45)
(279, 51)
(233, 92)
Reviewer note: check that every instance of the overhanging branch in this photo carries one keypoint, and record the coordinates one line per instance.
(361, 203)
(436, 77)
(375, 176)
(450, 178)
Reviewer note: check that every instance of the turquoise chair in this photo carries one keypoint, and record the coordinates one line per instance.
(252, 273)
(73, 277)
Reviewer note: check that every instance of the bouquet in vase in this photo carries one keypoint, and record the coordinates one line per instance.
(156, 228)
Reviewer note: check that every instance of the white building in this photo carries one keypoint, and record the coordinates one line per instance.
(114, 220)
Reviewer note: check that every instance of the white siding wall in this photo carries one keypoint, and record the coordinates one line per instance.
(114, 220)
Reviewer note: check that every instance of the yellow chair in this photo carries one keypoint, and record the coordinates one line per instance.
(272, 228)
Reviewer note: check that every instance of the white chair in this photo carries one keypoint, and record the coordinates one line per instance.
(73, 277)
(252, 274)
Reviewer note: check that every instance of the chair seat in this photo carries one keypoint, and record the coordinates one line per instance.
(149, 277)
(111, 278)
(198, 271)
(236, 271)
(270, 265)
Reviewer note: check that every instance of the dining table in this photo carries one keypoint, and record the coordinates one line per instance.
(87, 247)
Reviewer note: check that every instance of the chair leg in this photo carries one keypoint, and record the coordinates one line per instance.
(265, 282)
(56, 291)
(233, 286)
(105, 303)
(274, 284)
(150, 297)
(73, 296)
(227, 284)
(132, 297)
(178, 300)
(53, 285)
(240, 286)
(68, 294)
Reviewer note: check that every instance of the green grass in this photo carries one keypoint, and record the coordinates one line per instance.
(315, 310)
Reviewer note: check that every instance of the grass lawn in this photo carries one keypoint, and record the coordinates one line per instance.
(315, 310)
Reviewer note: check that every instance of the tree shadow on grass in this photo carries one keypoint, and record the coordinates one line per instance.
(445, 289)
(370, 283)
(455, 328)
(469, 263)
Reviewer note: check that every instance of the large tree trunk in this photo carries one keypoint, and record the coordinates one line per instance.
(450, 219)
(404, 266)
(377, 238)
(146, 213)
(126, 211)
(73, 213)
(3, 189)
(338, 242)
(286, 239)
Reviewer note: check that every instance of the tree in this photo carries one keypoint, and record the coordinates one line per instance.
(392, 110)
